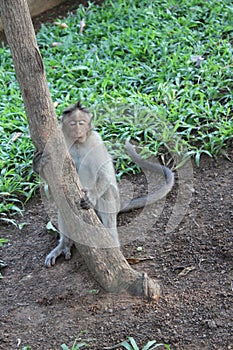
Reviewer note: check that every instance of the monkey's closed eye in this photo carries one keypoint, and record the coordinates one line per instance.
(73, 123)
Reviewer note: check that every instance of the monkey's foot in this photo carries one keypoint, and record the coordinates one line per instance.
(55, 253)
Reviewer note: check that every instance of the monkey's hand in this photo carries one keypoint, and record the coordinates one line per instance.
(89, 199)
(36, 163)
(39, 161)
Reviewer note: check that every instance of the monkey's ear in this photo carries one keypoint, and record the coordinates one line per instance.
(76, 106)
(91, 116)
(72, 108)
(68, 110)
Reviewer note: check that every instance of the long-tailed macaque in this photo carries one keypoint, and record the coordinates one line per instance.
(97, 177)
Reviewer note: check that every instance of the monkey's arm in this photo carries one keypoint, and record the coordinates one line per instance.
(103, 185)
(36, 163)
(40, 159)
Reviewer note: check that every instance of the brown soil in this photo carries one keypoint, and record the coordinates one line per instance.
(47, 307)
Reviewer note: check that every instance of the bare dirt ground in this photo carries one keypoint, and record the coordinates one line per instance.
(47, 307)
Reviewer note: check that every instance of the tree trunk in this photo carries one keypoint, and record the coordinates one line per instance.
(107, 264)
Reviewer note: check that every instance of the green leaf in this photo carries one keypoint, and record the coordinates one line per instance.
(149, 345)
(127, 346)
(2, 241)
(51, 227)
(64, 347)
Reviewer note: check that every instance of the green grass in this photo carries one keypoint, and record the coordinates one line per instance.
(128, 345)
(150, 345)
(133, 65)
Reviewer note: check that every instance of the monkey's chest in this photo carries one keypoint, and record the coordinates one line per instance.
(87, 170)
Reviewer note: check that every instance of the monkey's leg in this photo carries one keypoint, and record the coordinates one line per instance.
(63, 248)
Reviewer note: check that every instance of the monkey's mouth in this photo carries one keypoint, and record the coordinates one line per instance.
(80, 139)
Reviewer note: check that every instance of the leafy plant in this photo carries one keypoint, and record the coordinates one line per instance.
(132, 345)
(77, 343)
(75, 346)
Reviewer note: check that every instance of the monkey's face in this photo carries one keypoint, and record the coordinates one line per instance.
(77, 126)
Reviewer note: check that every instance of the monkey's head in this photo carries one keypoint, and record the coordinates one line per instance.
(76, 123)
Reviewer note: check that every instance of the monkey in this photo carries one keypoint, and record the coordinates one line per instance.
(155, 168)
(97, 176)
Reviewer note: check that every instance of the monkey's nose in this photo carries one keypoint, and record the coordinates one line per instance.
(79, 134)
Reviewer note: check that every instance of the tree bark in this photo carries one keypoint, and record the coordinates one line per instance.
(106, 263)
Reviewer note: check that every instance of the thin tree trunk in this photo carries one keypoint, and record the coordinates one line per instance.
(107, 265)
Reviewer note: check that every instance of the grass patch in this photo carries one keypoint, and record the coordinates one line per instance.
(128, 345)
(159, 72)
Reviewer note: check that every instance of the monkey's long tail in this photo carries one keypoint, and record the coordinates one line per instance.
(153, 197)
